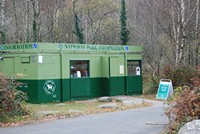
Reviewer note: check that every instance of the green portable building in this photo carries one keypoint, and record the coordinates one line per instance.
(58, 72)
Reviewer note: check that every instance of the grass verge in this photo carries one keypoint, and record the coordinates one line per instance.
(51, 111)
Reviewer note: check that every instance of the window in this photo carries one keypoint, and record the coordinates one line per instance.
(79, 68)
(25, 59)
(132, 67)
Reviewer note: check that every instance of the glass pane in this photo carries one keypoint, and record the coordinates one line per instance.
(25, 59)
(132, 65)
(79, 68)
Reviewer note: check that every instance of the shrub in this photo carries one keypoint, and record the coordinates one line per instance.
(153, 83)
(184, 106)
(180, 75)
(150, 81)
(11, 100)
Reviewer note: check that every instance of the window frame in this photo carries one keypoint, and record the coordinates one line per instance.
(132, 72)
(81, 70)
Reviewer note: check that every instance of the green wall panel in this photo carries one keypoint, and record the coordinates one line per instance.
(105, 86)
(8, 66)
(104, 66)
(15, 65)
(38, 92)
(115, 64)
(66, 90)
(117, 85)
(134, 85)
(50, 67)
(35, 90)
(51, 93)
(29, 69)
(80, 87)
(31, 88)
(96, 86)
(95, 67)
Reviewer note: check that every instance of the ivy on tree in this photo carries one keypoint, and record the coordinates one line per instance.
(79, 30)
(3, 37)
(124, 35)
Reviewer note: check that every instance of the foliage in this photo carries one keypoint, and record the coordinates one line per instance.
(151, 83)
(11, 100)
(184, 106)
(2, 37)
(181, 75)
(79, 30)
(123, 18)
(153, 24)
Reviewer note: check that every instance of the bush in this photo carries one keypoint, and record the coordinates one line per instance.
(150, 81)
(184, 106)
(153, 83)
(180, 75)
(11, 100)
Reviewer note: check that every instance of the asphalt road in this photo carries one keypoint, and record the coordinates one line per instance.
(147, 120)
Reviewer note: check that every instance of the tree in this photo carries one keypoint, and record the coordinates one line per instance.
(124, 31)
(16, 33)
(35, 25)
(26, 21)
(2, 23)
(197, 55)
(100, 19)
(79, 29)
(167, 30)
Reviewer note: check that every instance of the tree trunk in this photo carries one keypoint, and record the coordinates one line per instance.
(56, 22)
(17, 39)
(27, 20)
(176, 31)
(35, 20)
(183, 31)
(2, 23)
(197, 35)
(79, 29)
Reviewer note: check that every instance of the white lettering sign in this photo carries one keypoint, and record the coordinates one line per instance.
(40, 59)
(121, 69)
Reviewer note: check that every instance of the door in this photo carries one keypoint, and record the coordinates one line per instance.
(80, 79)
(134, 78)
(8, 66)
(116, 76)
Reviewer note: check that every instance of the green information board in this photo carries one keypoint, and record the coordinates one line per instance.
(165, 89)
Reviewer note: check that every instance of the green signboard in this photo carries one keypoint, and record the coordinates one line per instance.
(69, 47)
(16, 46)
(165, 89)
(64, 47)
(93, 47)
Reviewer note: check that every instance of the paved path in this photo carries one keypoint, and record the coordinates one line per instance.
(123, 122)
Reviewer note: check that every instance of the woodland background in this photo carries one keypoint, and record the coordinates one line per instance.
(168, 30)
